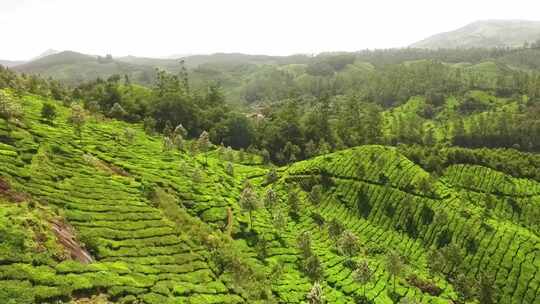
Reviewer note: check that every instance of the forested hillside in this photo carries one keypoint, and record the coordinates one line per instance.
(99, 208)
(342, 180)
(379, 176)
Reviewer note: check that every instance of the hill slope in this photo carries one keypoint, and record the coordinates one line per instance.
(72, 67)
(156, 222)
(485, 34)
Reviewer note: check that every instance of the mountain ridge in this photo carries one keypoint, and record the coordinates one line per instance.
(484, 34)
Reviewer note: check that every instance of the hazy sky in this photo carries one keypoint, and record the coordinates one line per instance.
(277, 27)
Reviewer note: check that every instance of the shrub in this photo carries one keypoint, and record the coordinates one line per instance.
(312, 267)
(317, 218)
(271, 176)
(335, 228)
(129, 134)
(48, 112)
(444, 238)
(315, 195)
(149, 125)
(427, 215)
(294, 203)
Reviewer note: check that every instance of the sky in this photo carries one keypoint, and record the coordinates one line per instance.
(160, 28)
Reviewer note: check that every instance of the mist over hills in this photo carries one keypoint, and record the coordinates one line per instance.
(74, 67)
(485, 34)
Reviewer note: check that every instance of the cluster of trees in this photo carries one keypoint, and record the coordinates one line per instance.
(329, 102)
(509, 161)
(23, 84)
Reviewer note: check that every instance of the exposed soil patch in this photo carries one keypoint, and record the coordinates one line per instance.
(424, 285)
(66, 236)
(7, 192)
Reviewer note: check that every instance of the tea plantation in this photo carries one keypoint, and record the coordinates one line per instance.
(116, 215)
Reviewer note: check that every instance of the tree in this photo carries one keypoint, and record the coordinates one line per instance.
(8, 108)
(77, 118)
(235, 130)
(424, 184)
(465, 286)
(149, 125)
(394, 266)
(203, 143)
(486, 289)
(229, 169)
(436, 262)
(180, 130)
(315, 295)
(360, 170)
(315, 195)
(312, 267)
(179, 134)
(167, 144)
(303, 242)
(249, 201)
(270, 199)
(335, 228)
(348, 244)
(117, 111)
(294, 203)
(453, 257)
(279, 221)
(48, 112)
(429, 137)
(271, 176)
(129, 134)
(363, 275)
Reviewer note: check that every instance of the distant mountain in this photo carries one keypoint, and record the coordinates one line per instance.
(73, 67)
(193, 61)
(10, 63)
(485, 34)
(45, 54)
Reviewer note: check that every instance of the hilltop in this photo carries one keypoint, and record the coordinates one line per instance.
(75, 68)
(485, 34)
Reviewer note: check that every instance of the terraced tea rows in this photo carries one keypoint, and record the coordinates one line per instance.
(153, 221)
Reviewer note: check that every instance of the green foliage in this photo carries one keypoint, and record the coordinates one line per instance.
(294, 202)
(395, 266)
(48, 112)
(249, 201)
(316, 294)
(271, 176)
(363, 275)
(348, 244)
(9, 109)
(77, 118)
(315, 195)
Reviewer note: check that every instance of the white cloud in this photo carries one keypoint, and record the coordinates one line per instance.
(163, 27)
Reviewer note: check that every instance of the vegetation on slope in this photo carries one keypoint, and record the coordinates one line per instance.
(172, 220)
